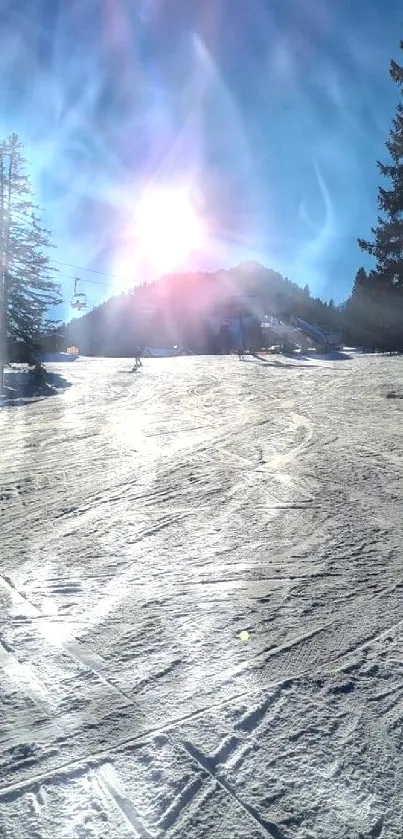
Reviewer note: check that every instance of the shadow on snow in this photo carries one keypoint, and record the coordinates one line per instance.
(22, 387)
(298, 360)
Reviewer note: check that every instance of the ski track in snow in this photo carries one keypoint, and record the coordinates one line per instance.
(145, 521)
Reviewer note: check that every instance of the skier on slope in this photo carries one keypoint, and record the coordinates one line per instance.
(137, 362)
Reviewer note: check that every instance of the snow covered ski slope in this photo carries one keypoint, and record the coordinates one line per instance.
(147, 521)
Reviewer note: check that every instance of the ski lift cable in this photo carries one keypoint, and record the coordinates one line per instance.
(90, 282)
(27, 217)
(91, 270)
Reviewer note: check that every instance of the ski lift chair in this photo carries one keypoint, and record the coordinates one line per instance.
(79, 299)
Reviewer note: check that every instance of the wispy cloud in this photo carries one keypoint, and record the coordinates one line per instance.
(273, 113)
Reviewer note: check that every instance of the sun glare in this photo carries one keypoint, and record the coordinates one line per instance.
(167, 228)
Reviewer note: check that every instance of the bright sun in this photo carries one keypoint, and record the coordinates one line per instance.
(166, 228)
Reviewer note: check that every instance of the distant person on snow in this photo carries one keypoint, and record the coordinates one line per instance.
(137, 362)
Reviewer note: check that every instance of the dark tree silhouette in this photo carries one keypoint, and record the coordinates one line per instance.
(29, 285)
(387, 244)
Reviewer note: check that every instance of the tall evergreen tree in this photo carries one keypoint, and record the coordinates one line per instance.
(361, 282)
(28, 279)
(387, 244)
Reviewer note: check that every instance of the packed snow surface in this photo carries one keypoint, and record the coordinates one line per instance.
(201, 602)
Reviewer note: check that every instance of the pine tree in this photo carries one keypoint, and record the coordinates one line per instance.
(387, 244)
(361, 282)
(28, 279)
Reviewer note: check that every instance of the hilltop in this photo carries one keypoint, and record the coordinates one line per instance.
(188, 309)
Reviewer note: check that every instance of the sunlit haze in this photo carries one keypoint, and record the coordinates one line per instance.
(222, 130)
(165, 229)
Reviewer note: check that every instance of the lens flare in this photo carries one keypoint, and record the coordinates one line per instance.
(166, 228)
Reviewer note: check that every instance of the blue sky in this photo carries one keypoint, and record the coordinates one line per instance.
(272, 112)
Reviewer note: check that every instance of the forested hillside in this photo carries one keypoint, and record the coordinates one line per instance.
(192, 310)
